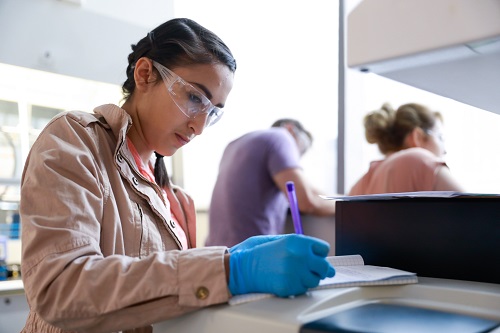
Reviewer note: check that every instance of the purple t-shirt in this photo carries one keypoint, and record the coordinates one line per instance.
(245, 200)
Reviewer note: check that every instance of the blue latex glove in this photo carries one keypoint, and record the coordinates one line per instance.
(253, 241)
(285, 266)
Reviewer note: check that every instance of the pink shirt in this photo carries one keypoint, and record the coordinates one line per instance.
(408, 170)
(147, 171)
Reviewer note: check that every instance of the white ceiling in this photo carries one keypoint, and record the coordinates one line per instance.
(147, 13)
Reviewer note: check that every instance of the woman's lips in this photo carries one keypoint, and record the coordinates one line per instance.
(183, 140)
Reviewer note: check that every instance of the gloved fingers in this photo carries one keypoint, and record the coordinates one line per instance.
(331, 271)
(320, 247)
(292, 287)
(310, 280)
(321, 267)
(302, 242)
(283, 265)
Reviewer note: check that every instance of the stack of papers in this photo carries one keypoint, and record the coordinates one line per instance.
(421, 194)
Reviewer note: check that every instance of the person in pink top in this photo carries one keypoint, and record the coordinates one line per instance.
(411, 139)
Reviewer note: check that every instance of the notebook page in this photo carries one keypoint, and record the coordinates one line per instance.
(349, 260)
(364, 273)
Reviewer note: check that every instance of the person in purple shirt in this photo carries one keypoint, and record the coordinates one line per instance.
(250, 196)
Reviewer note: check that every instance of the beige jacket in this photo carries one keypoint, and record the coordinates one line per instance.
(99, 252)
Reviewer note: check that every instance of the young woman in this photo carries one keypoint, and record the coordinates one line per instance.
(108, 241)
(411, 139)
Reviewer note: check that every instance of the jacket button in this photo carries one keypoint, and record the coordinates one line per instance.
(136, 182)
(120, 158)
(202, 293)
(172, 224)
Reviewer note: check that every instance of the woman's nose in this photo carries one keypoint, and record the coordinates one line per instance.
(198, 123)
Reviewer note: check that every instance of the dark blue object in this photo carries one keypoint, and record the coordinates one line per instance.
(393, 318)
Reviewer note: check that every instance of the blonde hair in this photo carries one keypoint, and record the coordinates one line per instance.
(388, 128)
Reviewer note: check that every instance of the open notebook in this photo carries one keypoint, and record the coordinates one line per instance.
(350, 271)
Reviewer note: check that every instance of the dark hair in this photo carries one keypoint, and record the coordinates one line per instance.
(298, 125)
(388, 128)
(177, 42)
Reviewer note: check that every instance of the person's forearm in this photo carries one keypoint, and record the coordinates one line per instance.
(315, 205)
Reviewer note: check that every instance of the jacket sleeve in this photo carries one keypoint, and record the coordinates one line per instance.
(68, 281)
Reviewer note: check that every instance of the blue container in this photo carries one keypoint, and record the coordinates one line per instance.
(15, 227)
(3, 271)
(10, 230)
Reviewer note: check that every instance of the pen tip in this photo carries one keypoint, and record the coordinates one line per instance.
(289, 186)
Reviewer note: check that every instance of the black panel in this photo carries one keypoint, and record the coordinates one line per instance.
(453, 238)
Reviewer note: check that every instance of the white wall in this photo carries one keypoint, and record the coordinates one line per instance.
(64, 38)
(14, 310)
(143, 13)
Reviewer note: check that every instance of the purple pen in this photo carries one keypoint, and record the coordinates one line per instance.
(294, 207)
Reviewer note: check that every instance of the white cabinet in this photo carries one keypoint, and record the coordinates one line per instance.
(13, 306)
(448, 47)
(13, 313)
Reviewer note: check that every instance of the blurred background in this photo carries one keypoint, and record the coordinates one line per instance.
(58, 55)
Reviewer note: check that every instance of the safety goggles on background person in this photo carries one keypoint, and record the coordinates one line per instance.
(188, 99)
(303, 140)
(435, 134)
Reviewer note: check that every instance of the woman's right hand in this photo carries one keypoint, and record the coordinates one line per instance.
(288, 265)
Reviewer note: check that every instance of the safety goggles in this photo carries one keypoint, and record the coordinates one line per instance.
(438, 136)
(303, 140)
(188, 99)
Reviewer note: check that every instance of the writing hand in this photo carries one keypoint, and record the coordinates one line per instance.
(286, 266)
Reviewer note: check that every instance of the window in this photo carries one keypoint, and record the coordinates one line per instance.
(29, 99)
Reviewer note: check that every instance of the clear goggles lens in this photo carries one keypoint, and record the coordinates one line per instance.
(190, 100)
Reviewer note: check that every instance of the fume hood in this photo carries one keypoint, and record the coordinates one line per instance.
(448, 47)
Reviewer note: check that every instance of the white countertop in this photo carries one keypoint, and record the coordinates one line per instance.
(10, 287)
